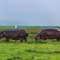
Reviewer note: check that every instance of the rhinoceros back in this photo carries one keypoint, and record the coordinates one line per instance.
(50, 31)
(13, 32)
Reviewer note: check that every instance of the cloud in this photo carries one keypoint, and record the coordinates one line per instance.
(30, 12)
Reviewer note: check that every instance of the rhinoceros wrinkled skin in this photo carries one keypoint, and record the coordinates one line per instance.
(16, 34)
(48, 33)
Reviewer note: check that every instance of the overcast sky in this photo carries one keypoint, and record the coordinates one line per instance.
(30, 12)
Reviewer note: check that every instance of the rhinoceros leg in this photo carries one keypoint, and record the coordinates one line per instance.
(21, 40)
(43, 38)
(58, 39)
(7, 39)
(25, 39)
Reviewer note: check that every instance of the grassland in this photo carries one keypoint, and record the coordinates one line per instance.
(41, 50)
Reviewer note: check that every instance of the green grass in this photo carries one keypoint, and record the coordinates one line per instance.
(41, 50)
(26, 51)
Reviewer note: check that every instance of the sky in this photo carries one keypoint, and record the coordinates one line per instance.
(30, 12)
